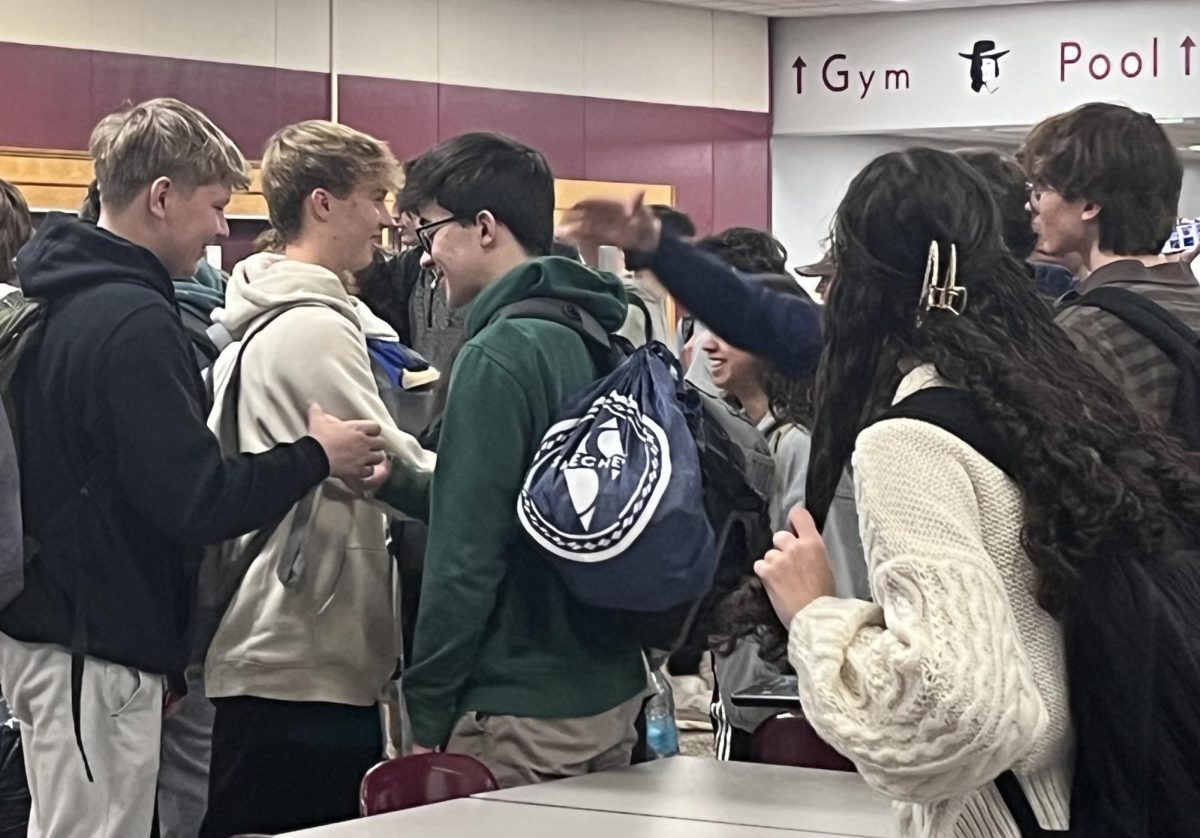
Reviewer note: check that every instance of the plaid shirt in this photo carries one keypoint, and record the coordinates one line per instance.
(1126, 358)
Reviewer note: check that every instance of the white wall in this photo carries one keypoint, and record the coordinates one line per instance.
(615, 49)
(809, 176)
(1189, 201)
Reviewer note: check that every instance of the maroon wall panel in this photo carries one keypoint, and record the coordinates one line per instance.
(718, 161)
(53, 97)
(741, 170)
(552, 124)
(649, 143)
(405, 113)
(45, 97)
(248, 103)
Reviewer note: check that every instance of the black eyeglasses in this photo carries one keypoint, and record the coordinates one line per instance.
(1034, 192)
(425, 232)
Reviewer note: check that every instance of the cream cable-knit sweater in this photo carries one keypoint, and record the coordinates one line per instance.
(954, 675)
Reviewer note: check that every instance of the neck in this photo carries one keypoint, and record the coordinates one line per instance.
(132, 229)
(755, 404)
(507, 258)
(1098, 258)
(311, 253)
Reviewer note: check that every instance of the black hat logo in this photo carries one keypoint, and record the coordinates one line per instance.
(984, 51)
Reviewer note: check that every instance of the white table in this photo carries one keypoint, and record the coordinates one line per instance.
(474, 818)
(696, 789)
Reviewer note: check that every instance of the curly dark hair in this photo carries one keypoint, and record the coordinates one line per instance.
(1006, 181)
(790, 397)
(747, 250)
(745, 609)
(1097, 477)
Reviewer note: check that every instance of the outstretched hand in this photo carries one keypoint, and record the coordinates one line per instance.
(627, 224)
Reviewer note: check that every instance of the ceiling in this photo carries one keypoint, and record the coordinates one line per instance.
(815, 8)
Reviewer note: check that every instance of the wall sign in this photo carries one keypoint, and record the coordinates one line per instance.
(1002, 65)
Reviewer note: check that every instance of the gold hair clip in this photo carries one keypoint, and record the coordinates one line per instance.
(943, 293)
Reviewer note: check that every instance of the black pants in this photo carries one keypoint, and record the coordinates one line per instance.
(279, 766)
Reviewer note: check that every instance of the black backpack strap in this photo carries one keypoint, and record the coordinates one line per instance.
(953, 411)
(1171, 336)
(1148, 319)
(227, 584)
(640, 304)
(600, 344)
(227, 424)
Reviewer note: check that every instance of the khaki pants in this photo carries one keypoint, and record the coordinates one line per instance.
(520, 750)
(121, 724)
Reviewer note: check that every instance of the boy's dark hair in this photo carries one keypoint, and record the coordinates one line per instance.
(566, 250)
(747, 250)
(482, 171)
(675, 222)
(1117, 158)
(89, 210)
(16, 227)
(1006, 182)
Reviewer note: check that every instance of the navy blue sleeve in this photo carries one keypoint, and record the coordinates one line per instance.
(783, 328)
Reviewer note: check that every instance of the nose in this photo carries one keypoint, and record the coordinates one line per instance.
(223, 229)
(708, 342)
(426, 260)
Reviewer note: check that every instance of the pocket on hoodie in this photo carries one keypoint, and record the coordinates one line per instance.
(324, 575)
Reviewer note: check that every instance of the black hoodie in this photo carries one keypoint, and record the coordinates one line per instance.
(112, 401)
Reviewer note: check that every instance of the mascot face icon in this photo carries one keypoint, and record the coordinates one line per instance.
(612, 467)
(585, 469)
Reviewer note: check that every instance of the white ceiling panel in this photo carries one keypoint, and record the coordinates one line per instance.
(819, 8)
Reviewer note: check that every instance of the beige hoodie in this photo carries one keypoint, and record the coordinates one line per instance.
(323, 626)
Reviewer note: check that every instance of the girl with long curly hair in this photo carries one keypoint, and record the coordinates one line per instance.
(950, 691)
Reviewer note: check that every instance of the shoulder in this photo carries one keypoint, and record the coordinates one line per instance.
(309, 326)
(1080, 318)
(121, 312)
(911, 446)
(790, 440)
(526, 343)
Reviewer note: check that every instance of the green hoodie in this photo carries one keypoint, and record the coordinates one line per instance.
(497, 632)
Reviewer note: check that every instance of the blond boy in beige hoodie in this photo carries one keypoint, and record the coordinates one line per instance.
(311, 636)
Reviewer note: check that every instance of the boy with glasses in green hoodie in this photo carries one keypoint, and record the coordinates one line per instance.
(506, 666)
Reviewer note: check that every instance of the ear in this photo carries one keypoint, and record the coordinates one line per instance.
(320, 203)
(1090, 211)
(159, 190)
(489, 228)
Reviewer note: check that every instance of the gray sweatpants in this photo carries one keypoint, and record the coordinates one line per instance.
(520, 750)
(183, 762)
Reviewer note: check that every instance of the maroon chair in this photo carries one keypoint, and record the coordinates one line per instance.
(788, 739)
(421, 779)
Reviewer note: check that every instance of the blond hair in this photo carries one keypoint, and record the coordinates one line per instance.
(162, 138)
(317, 154)
(16, 226)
